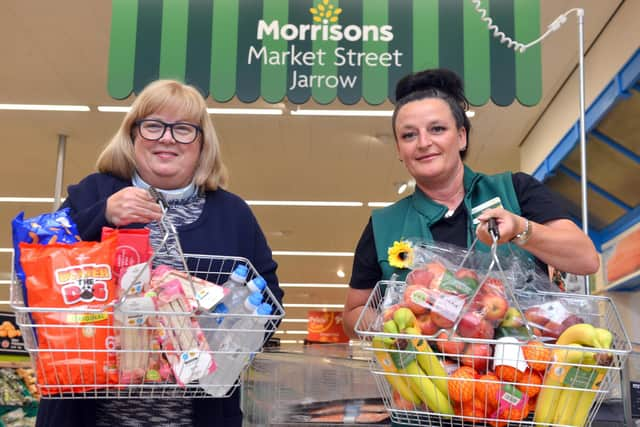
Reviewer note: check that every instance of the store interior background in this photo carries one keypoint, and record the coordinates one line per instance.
(57, 53)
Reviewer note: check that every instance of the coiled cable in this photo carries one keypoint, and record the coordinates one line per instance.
(516, 45)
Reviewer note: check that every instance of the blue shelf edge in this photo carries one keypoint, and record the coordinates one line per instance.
(625, 284)
(617, 89)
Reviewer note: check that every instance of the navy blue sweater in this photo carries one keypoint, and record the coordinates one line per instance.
(226, 227)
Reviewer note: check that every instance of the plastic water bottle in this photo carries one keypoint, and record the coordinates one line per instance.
(235, 282)
(239, 348)
(238, 292)
(229, 346)
(232, 303)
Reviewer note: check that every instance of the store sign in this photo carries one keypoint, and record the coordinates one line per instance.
(325, 50)
(325, 327)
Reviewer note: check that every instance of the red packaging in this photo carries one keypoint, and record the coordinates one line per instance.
(71, 279)
(133, 247)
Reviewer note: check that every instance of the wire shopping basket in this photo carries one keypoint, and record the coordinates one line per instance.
(447, 379)
(159, 344)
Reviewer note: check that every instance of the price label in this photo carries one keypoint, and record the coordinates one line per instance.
(448, 306)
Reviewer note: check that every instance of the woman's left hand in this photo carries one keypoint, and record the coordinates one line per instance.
(509, 225)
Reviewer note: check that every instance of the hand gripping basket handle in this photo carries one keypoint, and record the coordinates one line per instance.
(169, 230)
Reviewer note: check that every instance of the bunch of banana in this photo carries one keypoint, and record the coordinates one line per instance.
(586, 397)
(428, 361)
(562, 403)
(398, 382)
(424, 375)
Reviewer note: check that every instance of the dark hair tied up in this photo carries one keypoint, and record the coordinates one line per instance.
(434, 83)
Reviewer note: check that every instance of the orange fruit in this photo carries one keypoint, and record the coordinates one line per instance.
(530, 383)
(472, 409)
(537, 355)
(513, 413)
(507, 373)
(487, 389)
(461, 384)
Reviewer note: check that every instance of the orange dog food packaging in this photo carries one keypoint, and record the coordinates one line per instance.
(75, 344)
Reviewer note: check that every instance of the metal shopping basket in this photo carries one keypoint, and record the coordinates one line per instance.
(133, 363)
(429, 380)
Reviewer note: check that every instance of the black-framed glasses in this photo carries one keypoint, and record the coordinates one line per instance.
(182, 132)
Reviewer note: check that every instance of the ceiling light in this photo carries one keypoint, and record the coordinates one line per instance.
(27, 199)
(38, 107)
(340, 273)
(312, 285)
(6, 250)
(295, 320)
(342, 113)
(302, 203)
(311, 253)
(470, 113)
(293, 332)
(407, 185)
(379, 204)
(232, 111)
(313, 306)
(291, 342)
(113, 109)
(247, 111)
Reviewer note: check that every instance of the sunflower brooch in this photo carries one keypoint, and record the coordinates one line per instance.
(400, 254)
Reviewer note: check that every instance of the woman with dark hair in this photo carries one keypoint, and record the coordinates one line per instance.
(432, 135)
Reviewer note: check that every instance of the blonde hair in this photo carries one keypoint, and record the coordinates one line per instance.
(118, 159)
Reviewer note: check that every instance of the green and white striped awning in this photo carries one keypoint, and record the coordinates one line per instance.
(322, 49)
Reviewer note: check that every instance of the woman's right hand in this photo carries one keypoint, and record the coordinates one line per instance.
(132, 205)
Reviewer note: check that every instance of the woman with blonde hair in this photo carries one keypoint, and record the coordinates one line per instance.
(166, 141)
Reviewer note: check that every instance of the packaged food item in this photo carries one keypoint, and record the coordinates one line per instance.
(133, 247)
(180, 335)
(55, 227)
(73, 283)
(202, 295)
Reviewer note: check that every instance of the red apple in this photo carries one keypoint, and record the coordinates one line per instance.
(495, 306)
(491, 285)
(486, 330)
(473, 325)
(437, 270)
(469, 324)
(448, 345)
(417, 298)
(477, 356)
(420, 276)
(440, 320)
(426, 324)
